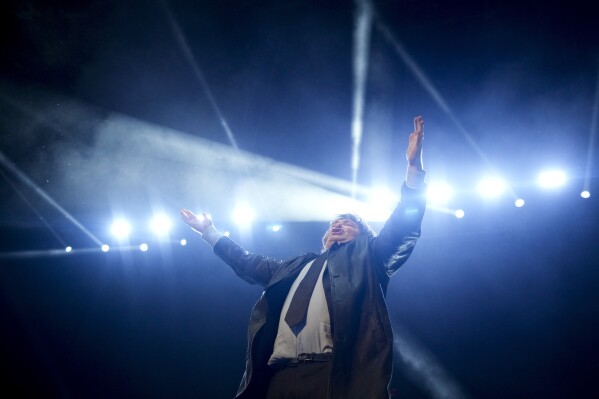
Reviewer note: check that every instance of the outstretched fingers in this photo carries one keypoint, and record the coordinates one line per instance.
(419, 126)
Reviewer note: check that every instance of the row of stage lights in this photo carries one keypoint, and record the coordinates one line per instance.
(438, 194)
(493, 187)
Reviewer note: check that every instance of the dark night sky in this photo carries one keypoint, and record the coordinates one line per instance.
(102, 110)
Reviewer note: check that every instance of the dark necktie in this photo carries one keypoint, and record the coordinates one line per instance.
(296, 314)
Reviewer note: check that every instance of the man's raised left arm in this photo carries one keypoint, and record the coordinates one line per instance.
(398, 237)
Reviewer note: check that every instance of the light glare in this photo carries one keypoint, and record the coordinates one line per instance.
(160, 224)
(439, 193)
(491, 187)
(143, 247)
(382, 198)
(243, 215)
(183, 242)
(459, 213)
(552, 179)
(68, 249)
(120, 229)
(105, 248)
(519, 203)
(585, 194)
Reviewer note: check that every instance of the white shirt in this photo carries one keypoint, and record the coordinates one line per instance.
(316, 335)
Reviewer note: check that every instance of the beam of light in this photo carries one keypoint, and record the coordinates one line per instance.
(33, 208)
(519, 203)
(459, 213)
(363, 27)
(551, 179)
(275, 228)
(36, 253)
(143, 247)
(183, 242)
(44, 253)
(585, 194)
(429, 87)
(426, 370)
(208, 172)
(184, 46)
(27, 181)
(591, 147)
(182, 42)
(105, 248)
(212, 172)
(381, 197)
(491, 187)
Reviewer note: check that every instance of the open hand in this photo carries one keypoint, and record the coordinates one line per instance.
(197, 222)
(414, 151)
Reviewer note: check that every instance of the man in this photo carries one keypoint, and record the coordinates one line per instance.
(321, 329)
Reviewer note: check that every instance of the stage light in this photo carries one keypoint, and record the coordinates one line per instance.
(275, 227)
(459, 213)
(585, 194)
(439, 193)
(519, 203)
(120, 228)
(227, 233)
(243, 215)
(183, 242)
(143, 247)
(160, 224)
(68, 249)
(552, 179)
(491, 187)
(105, 248)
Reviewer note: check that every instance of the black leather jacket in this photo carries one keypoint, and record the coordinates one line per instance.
(357, 276)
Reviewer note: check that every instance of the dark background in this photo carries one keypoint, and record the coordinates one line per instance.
(502, 303)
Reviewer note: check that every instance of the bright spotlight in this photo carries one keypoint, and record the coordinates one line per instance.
(459, 213)
(68, 249)
(143, 247)
(491, 187)
(585, 194)
(105, 248)
(552, 179)
(276, 227)
(243, 215)
(160, 224)
(120, 228)
(519, 203)
(439, 193)
(183, 242)
(227, 233)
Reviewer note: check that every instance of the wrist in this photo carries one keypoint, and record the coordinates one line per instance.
(211, 235)
(415, 176)
(416, 166)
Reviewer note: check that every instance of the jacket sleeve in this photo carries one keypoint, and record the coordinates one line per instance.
(397, 239)
(254, 269)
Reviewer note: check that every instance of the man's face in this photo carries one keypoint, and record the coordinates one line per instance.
(340, 231)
